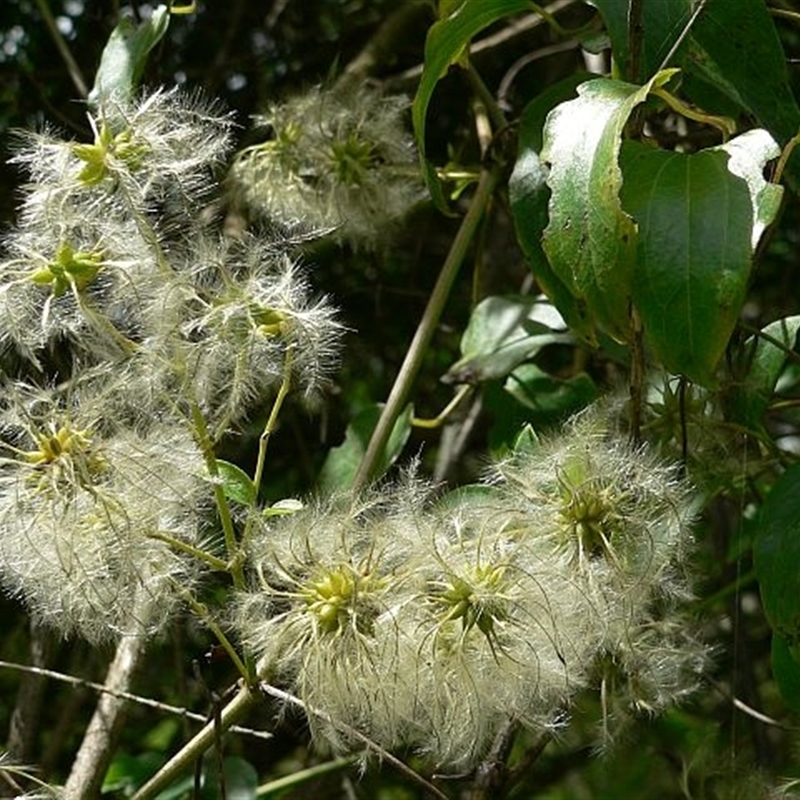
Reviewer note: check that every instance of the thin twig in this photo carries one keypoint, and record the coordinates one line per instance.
(25, 722)
(513, 29)
(158, 705)
(491, 777)
(635, 39)
(179, 764)
(684, 33)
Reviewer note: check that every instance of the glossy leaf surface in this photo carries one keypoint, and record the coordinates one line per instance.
(502, 333)
(698, 223)
(590, 240)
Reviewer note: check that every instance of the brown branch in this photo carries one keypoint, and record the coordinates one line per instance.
(100, 737)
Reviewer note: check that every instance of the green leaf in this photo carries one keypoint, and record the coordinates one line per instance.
(732, 47)
(126, 773)
(236, 483)
(590, 241)
(547, 397)
(764, 361)
(530, 196)
(283, 508)
(125, 55)
(502, 333)
(735, 47)
(748, 155)
(240, 780)
(661, 25)
(341, 465)
(699, 218)
(444, 44)
(776, 555)
(787, 672)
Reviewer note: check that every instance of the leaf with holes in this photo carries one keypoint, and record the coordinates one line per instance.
(590, 241)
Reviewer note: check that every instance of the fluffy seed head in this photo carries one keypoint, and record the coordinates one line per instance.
(337, 159)
(244, 317)
(80, 512)
(158, 150)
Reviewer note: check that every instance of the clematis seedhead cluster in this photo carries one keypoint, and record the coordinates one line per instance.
(432, 622)
(128, 318)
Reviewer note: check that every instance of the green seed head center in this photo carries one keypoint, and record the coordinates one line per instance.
(342, 598)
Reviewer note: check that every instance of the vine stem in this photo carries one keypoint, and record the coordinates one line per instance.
(430, 319)
(180, 764)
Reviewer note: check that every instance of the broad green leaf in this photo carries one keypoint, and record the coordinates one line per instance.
(502, 333)
(530, 195)
(731, 46)
(469, 495)
(444, 45)
(240, 780)
(125, 55)
(786, 670)
(776, 556)
(764, 359)
(341, 465)
(530, 396)
(126, 773)
(735, 47)
(590, 241)
(527, 441)
(282, 508)
(236, 483)
(699, 217)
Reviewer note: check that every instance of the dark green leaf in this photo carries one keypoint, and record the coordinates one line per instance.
(444, 44)
(786, 670)
(735, 47)
(731, 46)
(697, 226)
(590, 241)
(127, 773)
(661, 25)
(341, 465)
(776, 555)
(763, 361)
(240, 780)
(236, 483)
(547, 397)
(530, 195)
(501, 334)
(125, 54)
